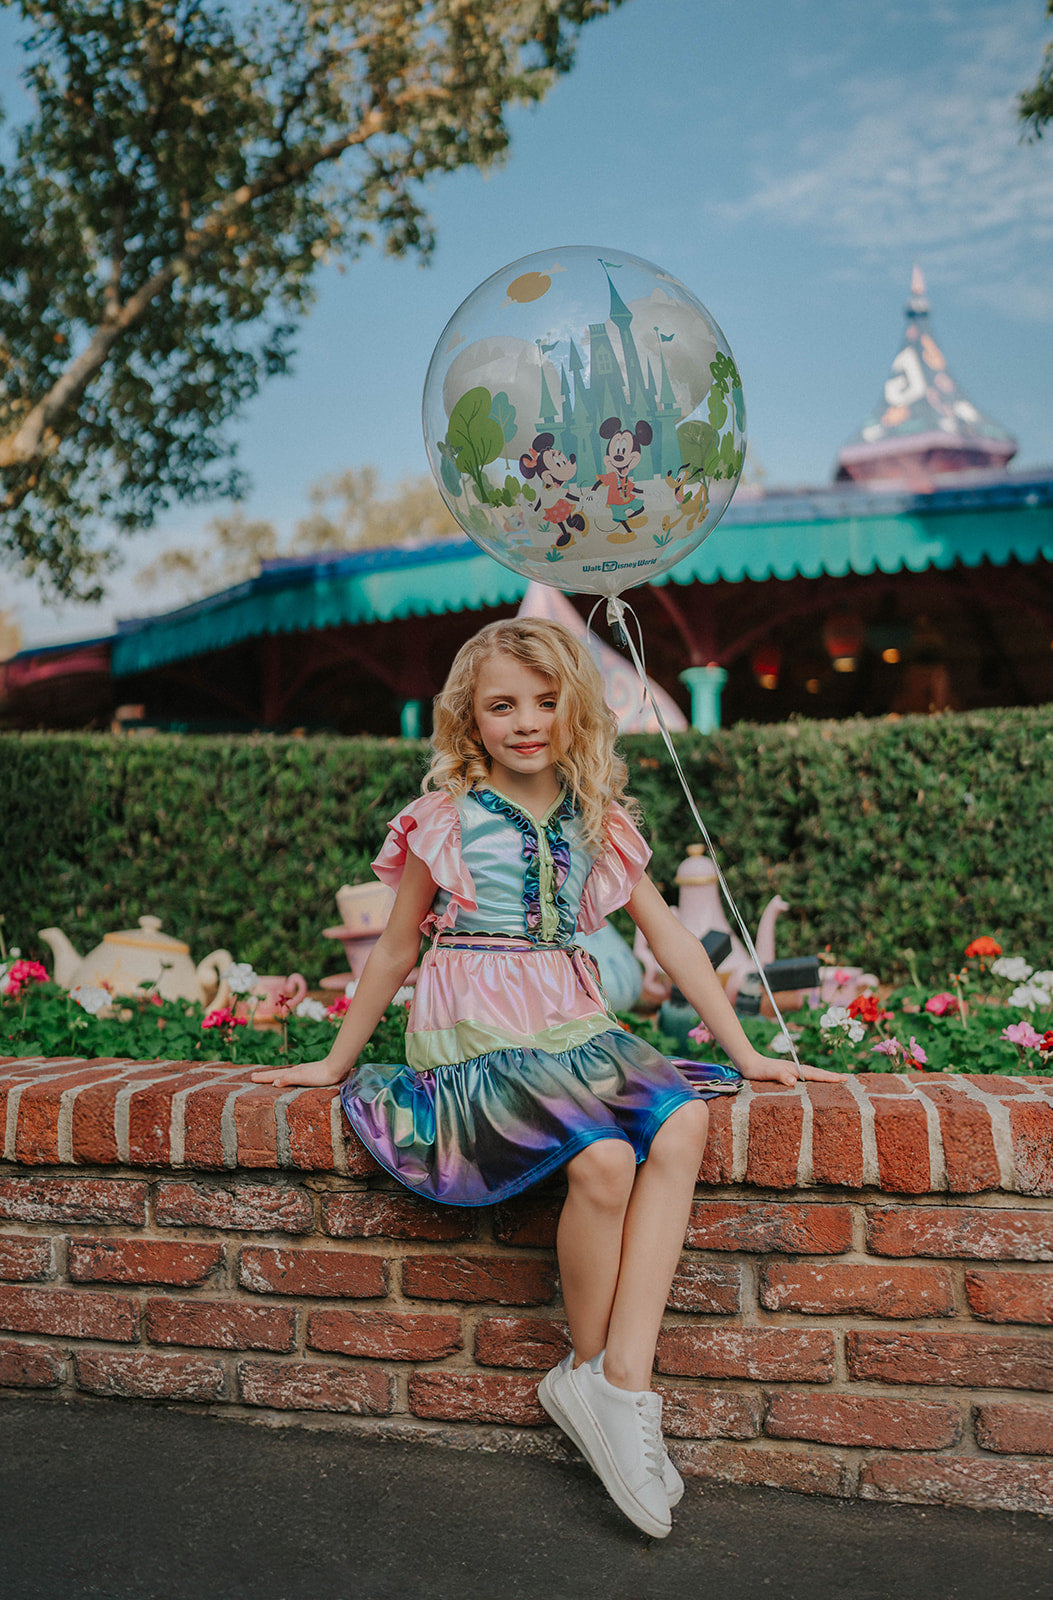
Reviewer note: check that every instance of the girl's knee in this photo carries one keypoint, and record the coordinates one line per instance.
(683, 1134)
(604, 1172)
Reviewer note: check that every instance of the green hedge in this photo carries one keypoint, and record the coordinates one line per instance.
(883, 836)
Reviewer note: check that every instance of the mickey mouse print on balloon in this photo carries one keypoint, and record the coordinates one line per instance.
(584, 418)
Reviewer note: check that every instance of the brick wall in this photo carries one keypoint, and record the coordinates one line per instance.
(863, 1305)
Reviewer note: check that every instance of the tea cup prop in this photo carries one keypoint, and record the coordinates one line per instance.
(584, 419)
(272, 997)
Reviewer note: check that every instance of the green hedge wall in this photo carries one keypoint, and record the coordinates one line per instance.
(883, 836)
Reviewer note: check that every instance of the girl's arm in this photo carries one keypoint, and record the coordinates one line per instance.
(681, 955)
(391, 960)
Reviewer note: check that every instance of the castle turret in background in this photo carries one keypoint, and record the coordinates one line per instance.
(925, 426)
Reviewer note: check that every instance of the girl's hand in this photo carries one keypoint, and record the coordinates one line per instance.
(313, 1074)
(776, 1069)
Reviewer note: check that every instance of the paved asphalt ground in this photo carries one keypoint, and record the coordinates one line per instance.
(132, 1502)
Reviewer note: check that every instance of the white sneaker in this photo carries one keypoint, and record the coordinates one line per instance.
(619, 1432)
(549, 1395)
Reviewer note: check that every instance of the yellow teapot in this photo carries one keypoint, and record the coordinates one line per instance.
(144, 955)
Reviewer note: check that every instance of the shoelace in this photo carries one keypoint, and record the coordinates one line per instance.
(654, 1445)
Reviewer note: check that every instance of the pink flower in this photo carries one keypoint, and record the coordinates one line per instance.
(701, 1034)
(916, 1056)
(224, 1018)
(941, 1003)
(21, 973)
(338, 1007)
(887, 1047)
(1023, 1034)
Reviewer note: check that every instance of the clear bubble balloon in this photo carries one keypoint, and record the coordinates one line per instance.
(584, 419)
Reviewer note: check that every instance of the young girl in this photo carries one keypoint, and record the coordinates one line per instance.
(515, 1065)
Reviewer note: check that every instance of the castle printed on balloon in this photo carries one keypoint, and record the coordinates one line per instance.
(584, 418)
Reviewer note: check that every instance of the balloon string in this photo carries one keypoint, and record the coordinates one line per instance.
(617, 612)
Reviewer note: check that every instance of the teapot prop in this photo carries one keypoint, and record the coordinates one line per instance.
(127, 961)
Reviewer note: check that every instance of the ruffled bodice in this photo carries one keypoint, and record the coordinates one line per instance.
(498, 869)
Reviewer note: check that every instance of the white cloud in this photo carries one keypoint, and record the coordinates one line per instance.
(927, 162)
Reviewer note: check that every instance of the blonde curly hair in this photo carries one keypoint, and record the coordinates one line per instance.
(583, 734)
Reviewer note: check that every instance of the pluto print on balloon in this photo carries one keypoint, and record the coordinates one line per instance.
(584, 419)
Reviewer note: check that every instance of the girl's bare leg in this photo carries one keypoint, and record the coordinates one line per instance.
(589, 1239)
(652, 1238)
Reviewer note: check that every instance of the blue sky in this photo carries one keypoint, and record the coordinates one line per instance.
(787, 159)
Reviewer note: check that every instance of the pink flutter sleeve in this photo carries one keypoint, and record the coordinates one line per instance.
(616, 871)
(430, 829)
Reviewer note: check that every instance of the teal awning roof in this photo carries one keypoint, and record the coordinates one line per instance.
(804, 533)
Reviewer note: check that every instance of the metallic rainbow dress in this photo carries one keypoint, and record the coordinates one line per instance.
(514, 1061)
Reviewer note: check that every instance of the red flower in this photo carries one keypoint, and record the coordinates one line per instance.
(21, 973)
(984, 946)
(1046, 1046)
(224, 1018)
(338, 1006)
(867, 1008)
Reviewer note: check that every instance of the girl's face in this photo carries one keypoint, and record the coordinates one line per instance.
(515, 712)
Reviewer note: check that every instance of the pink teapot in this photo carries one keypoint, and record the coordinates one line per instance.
(261, 1003)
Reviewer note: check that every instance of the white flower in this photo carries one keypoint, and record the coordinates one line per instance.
(90, 997)
(240, 978)
(313, 1010)
(1030, 995)
(781, 1045)
(1044, 980)
(1014, 968)
(836, 1017)
(856, 1030)
(402, 996)
(349, 988)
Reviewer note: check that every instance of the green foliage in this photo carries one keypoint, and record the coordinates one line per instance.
(1035, 106)
(883, 836)
(184, 171)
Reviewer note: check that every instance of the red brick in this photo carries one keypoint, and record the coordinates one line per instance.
(776, 1121)
(528, 1220)
(1015, 1430)
(112, 1260)
(709, 1413)
(802, 1471)
(250, 1207)
(902, 1132)
(22, 1259)
(384, 1335)
(202, 1124)
(308, 1117)
(360, 1163)
(71, 1313)
(36, 1133)
(836, 1287)
(993, 1084)
(29, 1366)
(93, 1130)
(390, 1216)
(962, 1360)
(344, 1273)
(1010, 1296)
(72, 1200)
(967, 1137)
(706, 1287)
(759, 1226)
(475, 1397)
(312, 1386)
(533, 1342)
(960, 1231)
(256, 1128)
(867, 1420)
(971, 1481)
(500, 1280)
(1031, 1127)
(220, 1325)
(882, 1084)
(148, 1375)
(765, 1353)
(837, 1136)
(150, 1110)
(717, 1156)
